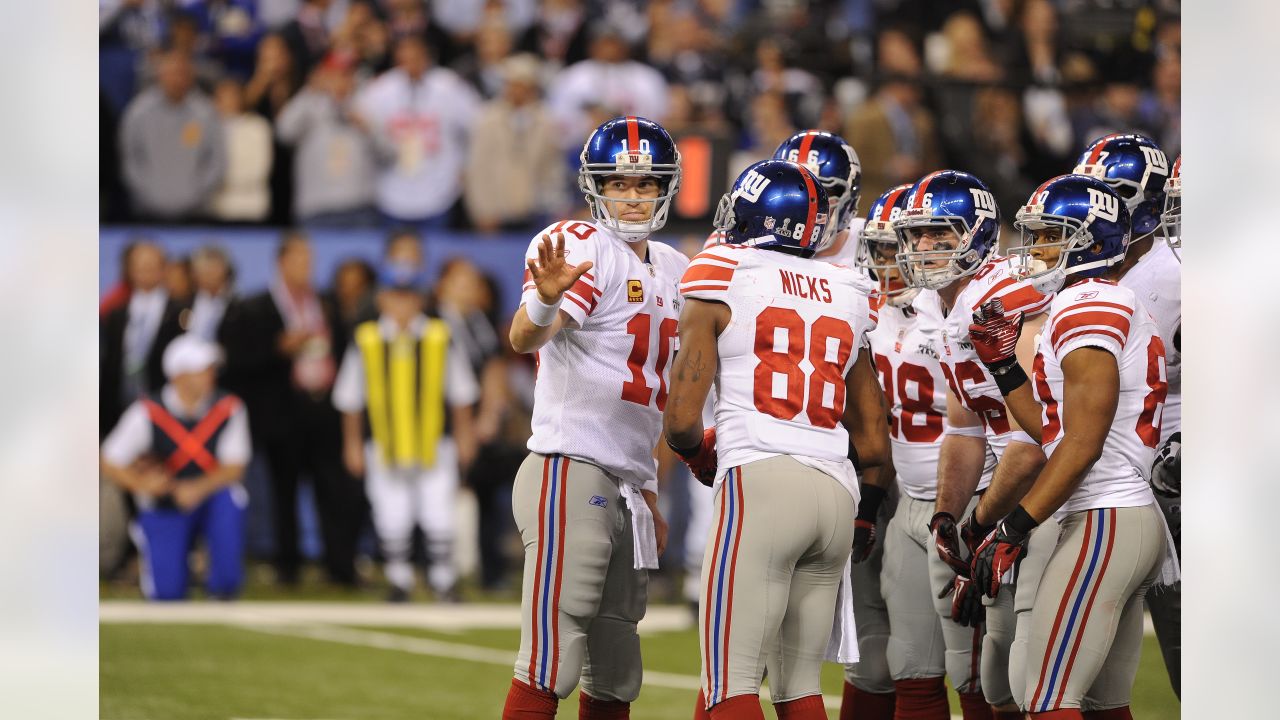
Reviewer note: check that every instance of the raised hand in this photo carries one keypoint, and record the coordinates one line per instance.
(552, 272)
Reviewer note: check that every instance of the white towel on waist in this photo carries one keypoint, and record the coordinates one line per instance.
(842, 647)
(644, 538)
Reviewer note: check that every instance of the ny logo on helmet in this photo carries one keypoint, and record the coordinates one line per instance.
(984, 203)
(1156, 159)
(752, 186)
(1103, 205)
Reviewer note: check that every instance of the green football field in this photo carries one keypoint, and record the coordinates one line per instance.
(251, 666)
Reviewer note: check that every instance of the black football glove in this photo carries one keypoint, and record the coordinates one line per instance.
(1001, 550)
(864, 526)
(1166, 472)
(966, 601)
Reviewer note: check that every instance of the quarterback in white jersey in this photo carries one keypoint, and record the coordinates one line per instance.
(783, 338)
(1095, 403)
(600, 308)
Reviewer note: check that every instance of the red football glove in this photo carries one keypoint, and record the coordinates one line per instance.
(966, 601)
(995, 334)
(946, 540)
(1002, 550)
(703, 462)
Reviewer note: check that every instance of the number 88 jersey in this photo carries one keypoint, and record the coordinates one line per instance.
(796, 328)
(907, 348)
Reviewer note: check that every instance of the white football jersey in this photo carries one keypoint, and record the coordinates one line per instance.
(907, 348)
(1101, 314)
(967, 377)
(1157, 281)
(602, 386)
(797, 325)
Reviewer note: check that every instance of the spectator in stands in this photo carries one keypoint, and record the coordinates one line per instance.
(215, 290)
(334, 164)
(352, 295)
(514, 172)
(276, 77)
(281, 360)
(465, 299)
(465, 19)
(182, 454)
(172, 145)
(132, 338)
(800, 90)
(362, 40)
(244, 194)
(609, 81)
(308, 34)
(962, 52)
(559, 34)
(894, 133)
(483, 67)
(178, 281)
(420, 117)
(127, 30)
(231, 30)
(134, 335)
(768, 124)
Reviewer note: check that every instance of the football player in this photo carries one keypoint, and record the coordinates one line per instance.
(1099, 385)
(835, 164)
(1139, 173)
(948, 233)
(868, 688)
(600, 307)
(924, 643)
(784, 340)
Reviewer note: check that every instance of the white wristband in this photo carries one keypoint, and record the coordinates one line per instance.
(540, 313)
(970, 431)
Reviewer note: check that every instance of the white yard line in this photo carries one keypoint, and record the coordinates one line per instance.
(441, 618)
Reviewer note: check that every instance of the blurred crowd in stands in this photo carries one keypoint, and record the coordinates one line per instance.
(470, 113)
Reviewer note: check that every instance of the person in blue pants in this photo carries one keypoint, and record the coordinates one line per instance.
(182, 455)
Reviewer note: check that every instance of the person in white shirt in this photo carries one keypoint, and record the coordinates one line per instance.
(420, 117)
(213, 272)
(608, 79)
(244, 193)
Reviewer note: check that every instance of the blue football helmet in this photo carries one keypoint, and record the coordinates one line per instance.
(1171, 218)
(777, 205)
(946, 200)
(630, 146)
(1136, 168)
(835, 164)
(1091, 223)
(877, 248)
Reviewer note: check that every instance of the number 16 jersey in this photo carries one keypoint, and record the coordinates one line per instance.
(602, 386)
(796, 328)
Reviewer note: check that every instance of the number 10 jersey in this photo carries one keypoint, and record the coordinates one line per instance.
(602, 386)
(795, 332)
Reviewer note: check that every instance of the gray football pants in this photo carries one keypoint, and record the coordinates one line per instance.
(581, 596)
(1085, 630)
(923, 640)
(1004, 647)
(871, 672)
(781, 534)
